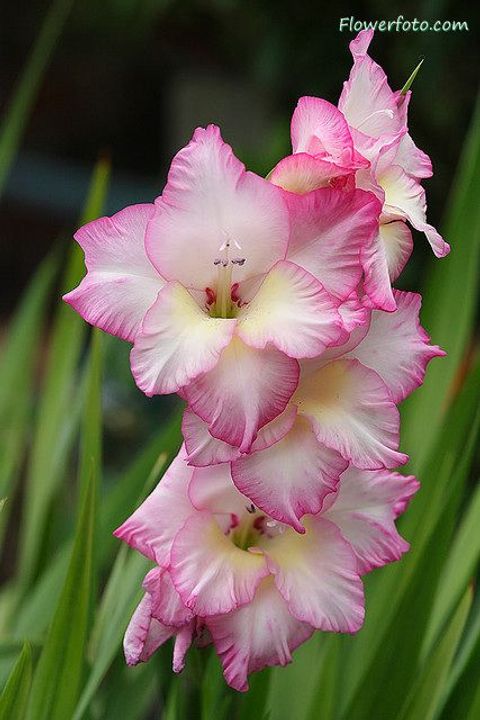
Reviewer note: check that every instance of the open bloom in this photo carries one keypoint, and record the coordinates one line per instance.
(217, 303)
(343, 412)
(365, 137)
(226, 571)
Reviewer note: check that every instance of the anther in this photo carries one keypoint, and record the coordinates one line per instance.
(211, 296)
(251, 509)
(235, 297)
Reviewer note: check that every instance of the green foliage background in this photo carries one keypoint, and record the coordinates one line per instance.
(68, 598)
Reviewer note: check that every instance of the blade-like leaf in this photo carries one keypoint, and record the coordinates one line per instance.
(132, 692)
(450, 303)
(57, 685)
(216, 699)
(459, 567)
(423, 701)
(60, 385)
(411, 582)
(123, 588)
(13, 125)
(459, 692)
(282, 703)
(58, 676)
(14, 698)
(17, 365)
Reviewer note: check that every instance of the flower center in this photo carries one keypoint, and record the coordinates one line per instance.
(223, 300)
(253, 529)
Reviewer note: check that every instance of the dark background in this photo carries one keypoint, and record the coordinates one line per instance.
(134, 77)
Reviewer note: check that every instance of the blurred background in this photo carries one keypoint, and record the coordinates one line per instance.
(128, 81)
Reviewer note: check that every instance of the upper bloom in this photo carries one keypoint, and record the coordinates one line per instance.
(365, 141)
(229, 573)
(219, 294)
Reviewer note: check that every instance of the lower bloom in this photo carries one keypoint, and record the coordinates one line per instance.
(227, 573)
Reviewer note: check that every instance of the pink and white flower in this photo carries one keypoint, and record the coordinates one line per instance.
(205, 286)
(378, 118)
(365, 140)
(225, 571)
(343, 412)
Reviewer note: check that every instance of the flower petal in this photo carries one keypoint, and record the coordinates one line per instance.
(290, 478)
(367, 101)
(121, 282)
(398, 243)
(317, 575)
(354, 313)
(365, 511)
(352, 411)
(397, 347)
(293, 311)
(210, 573)
(384, 260)
(152, 527)
(204, 450)
(144, 634)
(245, 390)
(177, 343)
(329, 226)
(404, 195)
(167, 606)
(258, 635)
(183, 640)
(301, 173)
(413, 160)
(320, 129)
(212, 489)
(210, 198)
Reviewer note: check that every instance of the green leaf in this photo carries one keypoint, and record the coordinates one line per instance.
(458, 571)
(34, 615)
(424, 700)
(91, 432)
(57, 685)
(58, 676)
(391, 632)
(172, 709)
(450, 304)
(214, 698)
(300, 674)
(131, 691)
(122, 594)
(17, 366)
(123, 589)
(59, 389)
(459, 694)
(14, 698)
(328, 684)
(14, 122)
